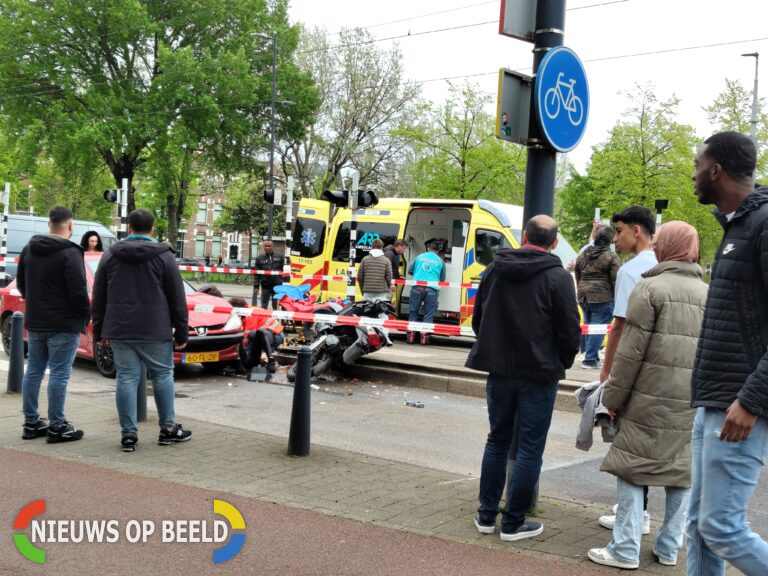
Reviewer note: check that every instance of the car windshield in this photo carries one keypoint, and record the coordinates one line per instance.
(93, 265)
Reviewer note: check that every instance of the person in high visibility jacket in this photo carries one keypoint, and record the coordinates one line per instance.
(263, 335)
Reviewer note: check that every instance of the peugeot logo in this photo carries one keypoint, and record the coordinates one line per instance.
(201, 330)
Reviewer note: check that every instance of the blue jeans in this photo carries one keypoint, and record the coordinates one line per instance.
(724, 477)
(421, 294)
(56, 351)
(130, 357)
(628, 529)
(596, 313)
(528, 405)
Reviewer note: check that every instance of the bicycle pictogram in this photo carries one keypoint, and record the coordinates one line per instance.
(555, 97)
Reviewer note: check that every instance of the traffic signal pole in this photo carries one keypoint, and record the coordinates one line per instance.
(542, 160)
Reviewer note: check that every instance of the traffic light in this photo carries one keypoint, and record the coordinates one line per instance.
(111, 195)
(336, 197)
(269, 195)
(366, 198)
(341, 198)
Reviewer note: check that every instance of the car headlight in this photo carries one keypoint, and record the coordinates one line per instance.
(234, 323)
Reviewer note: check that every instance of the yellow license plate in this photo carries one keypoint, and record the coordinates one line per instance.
(200, 357)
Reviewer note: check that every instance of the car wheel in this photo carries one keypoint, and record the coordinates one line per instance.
(7, 334)
(105, 361)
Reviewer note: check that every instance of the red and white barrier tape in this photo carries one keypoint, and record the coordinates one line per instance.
(400, 281)
(402, 325)
(441, 284)
(227, 270)
(595, 329)
(9, 259)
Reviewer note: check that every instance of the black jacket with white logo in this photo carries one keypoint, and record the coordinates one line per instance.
(732, 356)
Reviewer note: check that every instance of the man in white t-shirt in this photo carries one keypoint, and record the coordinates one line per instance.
(634, 228)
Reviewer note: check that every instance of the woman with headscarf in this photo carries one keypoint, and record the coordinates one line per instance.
(649, 389)
(91, 242)
(596, 269)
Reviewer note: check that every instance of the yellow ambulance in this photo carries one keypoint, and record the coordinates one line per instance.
(472, 231)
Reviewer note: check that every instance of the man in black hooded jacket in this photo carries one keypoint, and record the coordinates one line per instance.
(51, 278)
(140, 310)
(527, 327)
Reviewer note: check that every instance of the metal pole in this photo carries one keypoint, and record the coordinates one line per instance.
(288, 232)
(753, 121)
(352, 204)
(298, 436)
(270, 209)
(4, 232)
(540, 169)
(141, 396)
(122, 208)
(16, 361)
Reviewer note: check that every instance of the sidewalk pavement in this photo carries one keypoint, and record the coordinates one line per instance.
(333, 482)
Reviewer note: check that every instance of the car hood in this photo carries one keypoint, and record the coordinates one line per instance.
(197, 319)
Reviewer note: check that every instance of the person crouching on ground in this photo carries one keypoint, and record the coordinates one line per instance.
(263, 336)
(649, 388)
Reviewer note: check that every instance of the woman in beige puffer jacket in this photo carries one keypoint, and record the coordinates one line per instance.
(649, 388)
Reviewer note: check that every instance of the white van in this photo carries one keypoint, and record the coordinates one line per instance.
(21, 227)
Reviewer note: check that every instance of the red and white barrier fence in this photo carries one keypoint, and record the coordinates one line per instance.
(327, 277)
(595, 329)
(9, 259)
(401, 325)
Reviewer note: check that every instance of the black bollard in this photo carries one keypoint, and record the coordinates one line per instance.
(298, 436)
(16, 363)
(141, 395)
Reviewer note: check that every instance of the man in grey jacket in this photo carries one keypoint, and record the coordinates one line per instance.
(375, 274)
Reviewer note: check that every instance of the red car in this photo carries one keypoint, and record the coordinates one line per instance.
(214, 338)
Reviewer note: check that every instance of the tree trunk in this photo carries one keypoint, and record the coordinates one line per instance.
(174, 205)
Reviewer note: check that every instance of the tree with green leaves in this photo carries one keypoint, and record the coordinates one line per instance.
(458, 156)
(732, 110)
(648, 156)
(127, 80)
(245, 210)
(364, 97)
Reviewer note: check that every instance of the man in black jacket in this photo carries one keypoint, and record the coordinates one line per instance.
(729, 386)
(51, 278)
(140, 310)
(271, 262)
(527, 328)
(394, 253)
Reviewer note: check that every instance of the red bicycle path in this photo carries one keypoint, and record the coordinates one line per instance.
(278, 539)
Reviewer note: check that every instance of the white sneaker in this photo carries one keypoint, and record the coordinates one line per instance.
(602, 556)
(609, 521)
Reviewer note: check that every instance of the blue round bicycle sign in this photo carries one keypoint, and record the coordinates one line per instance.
(562, 98)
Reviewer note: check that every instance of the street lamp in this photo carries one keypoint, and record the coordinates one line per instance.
(753, 120)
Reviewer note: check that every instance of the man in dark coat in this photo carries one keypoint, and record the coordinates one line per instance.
(269, 261)
(140, 310)
(394, 253)
(729, 386)
(51, 278)
(527, 327)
